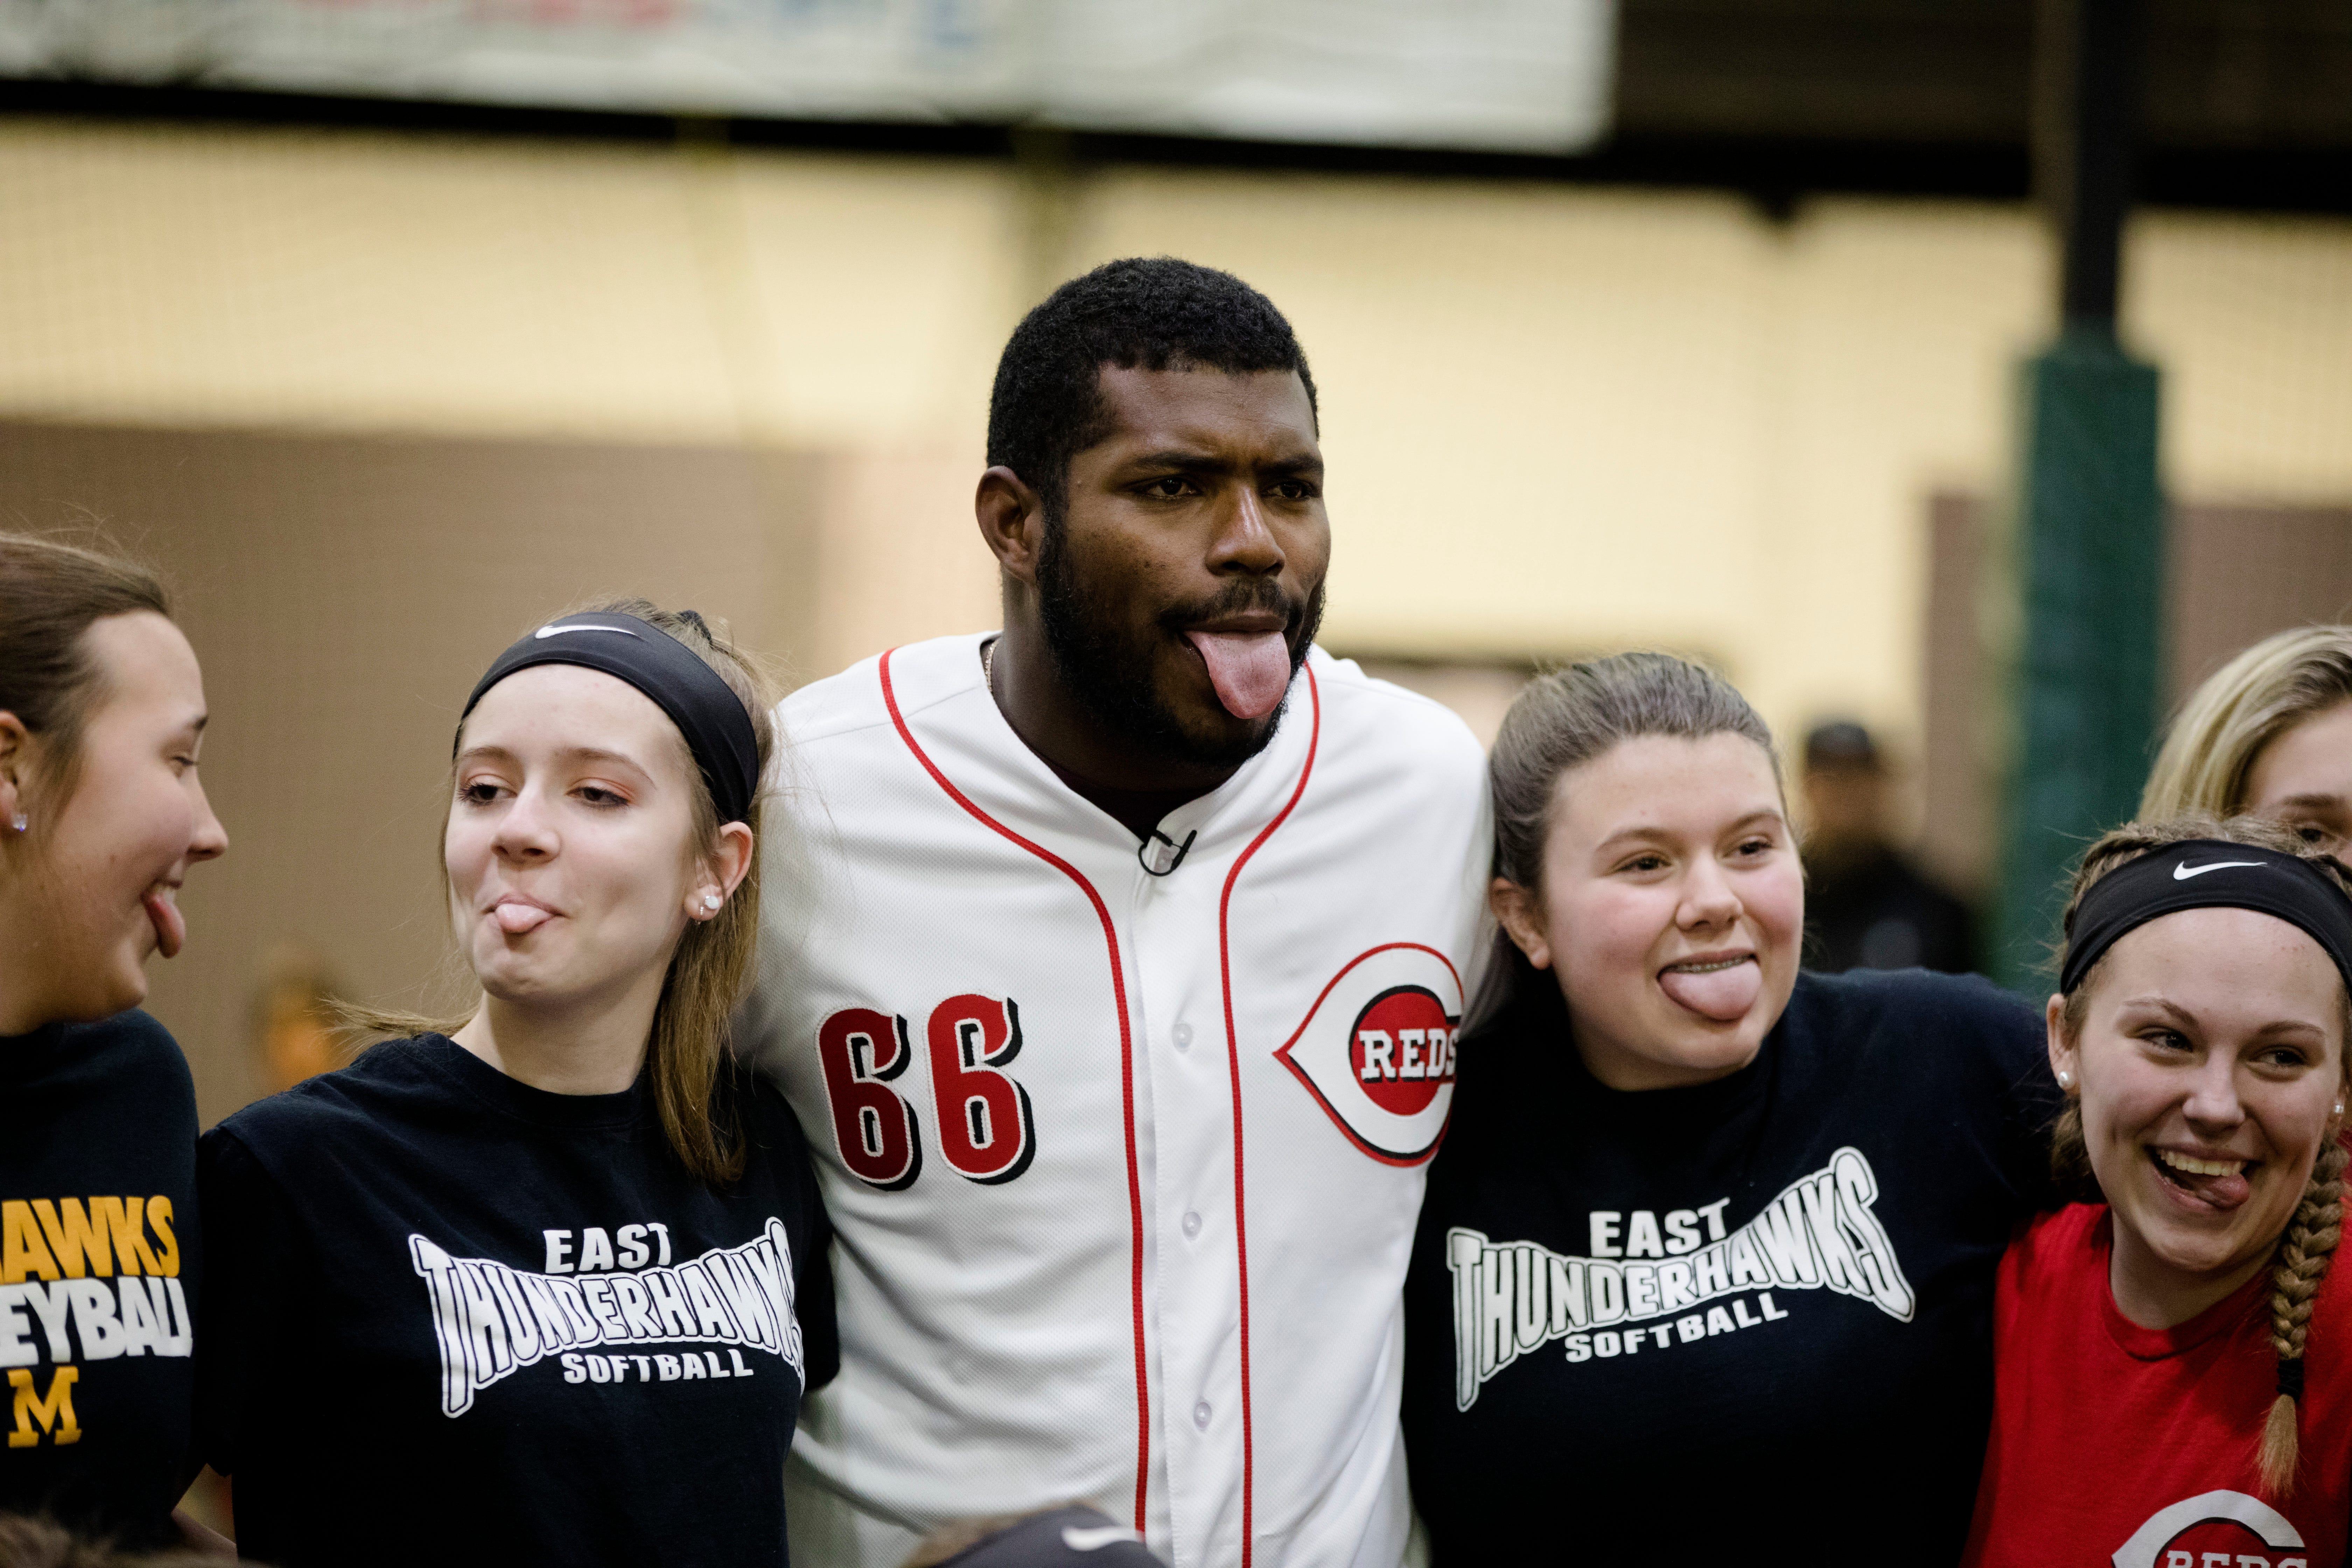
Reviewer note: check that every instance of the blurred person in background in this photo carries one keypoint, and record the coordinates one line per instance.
(2269, 733)
(1866, 906)
(2171, 1376)
(298, 1029)
(546, 1283)
(1170, 907)
(101, 817)
(1707, 1263)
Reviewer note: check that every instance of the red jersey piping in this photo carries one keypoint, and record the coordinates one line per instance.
(1233, 1060)
(1127, 1077)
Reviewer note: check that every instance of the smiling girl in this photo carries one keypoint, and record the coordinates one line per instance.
(102, 816)
(2154, 1405)
(1704, 1270)
(547, 1287)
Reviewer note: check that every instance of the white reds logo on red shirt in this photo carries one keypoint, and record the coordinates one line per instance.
(2215, 1527)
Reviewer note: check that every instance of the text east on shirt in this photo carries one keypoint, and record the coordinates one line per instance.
(1740, 1321)
(1124, 1167)
(456, 1318)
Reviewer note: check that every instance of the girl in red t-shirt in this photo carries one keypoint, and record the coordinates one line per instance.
(2157, 1401)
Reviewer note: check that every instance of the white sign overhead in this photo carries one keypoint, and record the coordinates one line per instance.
(1503, 74)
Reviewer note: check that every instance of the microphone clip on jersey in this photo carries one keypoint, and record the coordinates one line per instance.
(1147, 852)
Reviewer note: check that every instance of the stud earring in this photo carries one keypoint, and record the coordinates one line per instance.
(18, 822)
(2340, 1107)
(2066, 1080)
(710, 902)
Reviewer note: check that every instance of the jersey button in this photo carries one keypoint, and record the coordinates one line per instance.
(1192, 1222)
(1200, 1416)
(1184, 1036)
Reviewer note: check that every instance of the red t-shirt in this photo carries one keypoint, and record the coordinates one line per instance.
(2115, 1444)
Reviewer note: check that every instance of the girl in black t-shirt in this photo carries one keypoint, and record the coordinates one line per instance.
(101, 714)
(1704, 1268)
(546, 1285)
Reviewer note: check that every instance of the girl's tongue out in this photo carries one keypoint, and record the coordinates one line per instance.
(516, 919)
(2221, 1182)
(1722, 990)
(170, 925)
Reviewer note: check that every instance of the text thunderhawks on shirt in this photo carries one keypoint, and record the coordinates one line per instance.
(492, 1321)
(1512, 1298)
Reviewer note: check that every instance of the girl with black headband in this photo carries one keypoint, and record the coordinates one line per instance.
(545, 1283)
(2171, 1386)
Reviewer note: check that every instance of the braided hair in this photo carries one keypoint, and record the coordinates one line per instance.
(2310, 1238)
(2303, 1251)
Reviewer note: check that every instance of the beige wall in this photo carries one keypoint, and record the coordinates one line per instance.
(1558, 418)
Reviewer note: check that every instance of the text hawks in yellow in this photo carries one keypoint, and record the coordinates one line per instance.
(53, 1256)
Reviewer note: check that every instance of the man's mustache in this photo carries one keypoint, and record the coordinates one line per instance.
(1242, 598)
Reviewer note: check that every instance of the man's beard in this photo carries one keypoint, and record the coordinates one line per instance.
(1113, 676)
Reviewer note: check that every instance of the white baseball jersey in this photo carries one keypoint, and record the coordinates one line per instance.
(1124, 1167)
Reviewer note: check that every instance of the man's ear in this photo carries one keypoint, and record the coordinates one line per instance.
(1012, 521)
(1520, 913)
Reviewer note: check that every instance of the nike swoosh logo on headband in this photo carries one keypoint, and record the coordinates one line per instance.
(553, 631)
(1096, 1538)
(2183, 871)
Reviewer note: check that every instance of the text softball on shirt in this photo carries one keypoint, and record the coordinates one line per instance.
(491, 1321)
(107, 1268)
(1513, 1298)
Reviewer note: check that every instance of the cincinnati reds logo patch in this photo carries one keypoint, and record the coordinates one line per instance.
(1377, 1050)
(2216, 1527)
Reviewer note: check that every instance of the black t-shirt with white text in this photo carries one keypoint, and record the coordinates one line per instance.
(462, 1320)
(1745, 1322)
(99, 1256)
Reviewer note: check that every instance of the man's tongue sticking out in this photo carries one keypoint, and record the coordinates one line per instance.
(1717, 991)
(1251, 670)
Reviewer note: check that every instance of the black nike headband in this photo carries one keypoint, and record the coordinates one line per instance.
(2205, 874)
(716, 728)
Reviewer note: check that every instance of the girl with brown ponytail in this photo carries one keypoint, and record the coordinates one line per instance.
(2170, 1385)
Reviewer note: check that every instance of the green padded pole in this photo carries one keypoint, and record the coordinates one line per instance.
(2090, 538)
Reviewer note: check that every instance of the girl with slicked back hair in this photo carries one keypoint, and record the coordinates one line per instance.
(2169, 1348)
(1705, 1231)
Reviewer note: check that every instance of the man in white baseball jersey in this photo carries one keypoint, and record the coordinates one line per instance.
(1120, 997)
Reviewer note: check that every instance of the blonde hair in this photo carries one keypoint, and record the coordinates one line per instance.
(2310, 1238)
(713, 963)
(2241, 708)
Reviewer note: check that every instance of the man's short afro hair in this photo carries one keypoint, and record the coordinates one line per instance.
(1140, 313)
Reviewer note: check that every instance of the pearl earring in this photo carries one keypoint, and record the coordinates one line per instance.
(710, 902)
(2066, 1080)
(2340, 1107)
